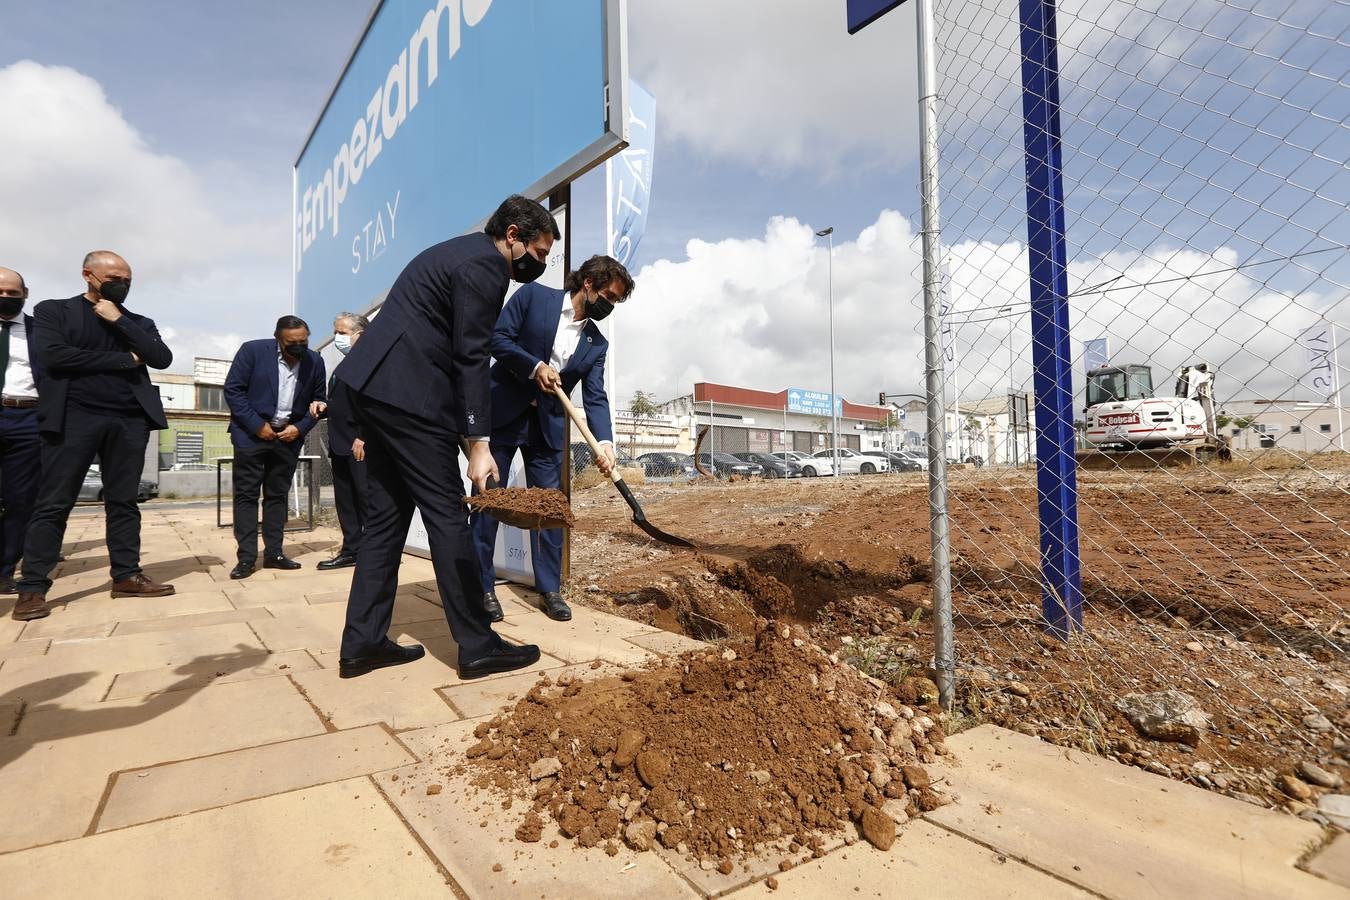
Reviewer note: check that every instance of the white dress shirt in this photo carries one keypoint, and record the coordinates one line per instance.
(566, 341)
(287, 376)
(19, 384)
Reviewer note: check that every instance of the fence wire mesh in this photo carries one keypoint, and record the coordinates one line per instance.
(1204, 159)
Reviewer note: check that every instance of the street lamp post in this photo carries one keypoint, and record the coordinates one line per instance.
(828, 233)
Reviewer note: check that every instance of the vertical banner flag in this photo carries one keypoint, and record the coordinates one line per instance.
(1096, 353)
(1321, 378)
(630, 177)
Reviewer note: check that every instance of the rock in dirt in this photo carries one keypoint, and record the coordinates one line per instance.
(878, 828)
(640, 835)
(531, 829)
(1319, 776)
(915, 777)
(1336, 807)
(433, 790)
(1317, 722)
(652, 767)
(630, 742)
(543, 768)
(574, 820)
(1293, 787)
(1166, 716)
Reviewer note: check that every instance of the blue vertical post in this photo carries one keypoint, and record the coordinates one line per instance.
(1056, 466)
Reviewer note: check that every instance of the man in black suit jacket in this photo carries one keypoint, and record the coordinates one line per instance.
(20, 445)
(271, 384)
(96, 402)
(346, 450)
(420, 382)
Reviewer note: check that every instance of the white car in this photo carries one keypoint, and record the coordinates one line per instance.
(811, 467)
(851, 462)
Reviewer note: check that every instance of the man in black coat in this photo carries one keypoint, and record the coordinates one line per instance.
(20, 444)
(269, 389)
(420, 382)
(97, 402)
(346, 450)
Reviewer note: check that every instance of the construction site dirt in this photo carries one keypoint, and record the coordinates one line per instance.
(1229, 584)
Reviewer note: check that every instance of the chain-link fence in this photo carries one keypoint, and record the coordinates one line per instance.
(1204, 147)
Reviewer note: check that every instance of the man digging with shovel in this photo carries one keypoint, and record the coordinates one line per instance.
(545, 339)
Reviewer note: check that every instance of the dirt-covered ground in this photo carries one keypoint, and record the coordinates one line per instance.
(1230, 584)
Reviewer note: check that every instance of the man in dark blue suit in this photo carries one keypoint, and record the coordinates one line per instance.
(420, 385)
(269, 389)
(20, 443)
(544, 338)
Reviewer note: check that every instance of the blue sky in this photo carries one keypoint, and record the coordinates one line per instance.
(174, 126)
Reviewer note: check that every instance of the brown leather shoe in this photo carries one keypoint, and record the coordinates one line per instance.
(30, 606)
(139, 585)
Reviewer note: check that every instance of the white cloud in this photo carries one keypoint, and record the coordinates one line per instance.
(77, 176)
(765, 82)
(754, 313)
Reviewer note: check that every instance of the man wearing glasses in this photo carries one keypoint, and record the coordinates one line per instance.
(545, 338)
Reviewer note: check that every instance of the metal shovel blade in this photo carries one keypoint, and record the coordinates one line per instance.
(640, 519)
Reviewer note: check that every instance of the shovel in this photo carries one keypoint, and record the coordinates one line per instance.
(517, 518)
(639, 517)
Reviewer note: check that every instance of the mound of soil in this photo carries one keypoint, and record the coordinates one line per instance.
(762, 745)
(515, 503)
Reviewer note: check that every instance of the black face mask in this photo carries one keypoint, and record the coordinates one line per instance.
(10, 306)
(115, 291)
(599, 308)
(527, 268)
(297, 349)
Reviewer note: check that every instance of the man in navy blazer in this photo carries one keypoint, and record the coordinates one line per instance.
(20, 443)
(547, 337)
(271, 384)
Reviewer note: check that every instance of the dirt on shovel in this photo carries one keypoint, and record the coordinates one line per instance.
(530, 508)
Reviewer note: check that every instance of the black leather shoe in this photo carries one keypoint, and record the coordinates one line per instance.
(341, 561)
(556, 608)
(390, 654)
(493, 607)
(242, 570)
(507, 659)
(9, 586)
(280, 562)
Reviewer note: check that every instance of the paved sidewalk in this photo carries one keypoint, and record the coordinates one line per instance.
(203, 744)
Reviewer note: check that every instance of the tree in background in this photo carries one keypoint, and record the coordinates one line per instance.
(643, 409)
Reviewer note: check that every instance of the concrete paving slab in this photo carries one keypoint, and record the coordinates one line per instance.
(135, 652)
(23, 648)
(925, 861)
(300, 627)
(336, 840)
(194, 676)
(1117, 830)
(144, 795)
(666, 644)
(192, 620)
(471, 834)
(576, 641)
(1333, 863)
(70, 752)
(266, 593)
(104, 610)
(484, 698)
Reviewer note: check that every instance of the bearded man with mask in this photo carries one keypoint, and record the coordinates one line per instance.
(270, 387)
(547, 338)
(96, 403)
(420, 385)
(346, 450)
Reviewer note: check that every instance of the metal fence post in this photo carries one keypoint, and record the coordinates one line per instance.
(944, 663)
(1056, 465)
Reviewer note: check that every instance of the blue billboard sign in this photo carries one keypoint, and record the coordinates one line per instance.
(445, 108)
(812, 403)
(1096, 353)
(630, 177)
(862, 13)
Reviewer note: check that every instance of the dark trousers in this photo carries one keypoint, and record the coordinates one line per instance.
(413, 463)
(269, 469)
(349, 495)
(118, 443)
(543, 469)
(20, 465)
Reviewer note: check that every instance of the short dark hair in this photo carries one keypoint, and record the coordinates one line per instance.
(286, 323)
(600, 271)
(529, 216)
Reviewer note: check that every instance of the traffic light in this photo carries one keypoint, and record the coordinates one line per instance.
(881, 400)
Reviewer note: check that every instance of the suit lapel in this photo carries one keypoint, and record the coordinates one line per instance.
(302, 376)
(273, 378)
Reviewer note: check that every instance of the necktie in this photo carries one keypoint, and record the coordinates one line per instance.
(4, 352)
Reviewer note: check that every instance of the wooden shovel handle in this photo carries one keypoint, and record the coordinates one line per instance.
(580, 421)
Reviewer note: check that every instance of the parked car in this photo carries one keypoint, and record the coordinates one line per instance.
(851, 462)
(668, 465)
(773, 466)
(724, 465)
(903, 463)
(582, 458)
(916, 457)
(811, 467)
(92, 488)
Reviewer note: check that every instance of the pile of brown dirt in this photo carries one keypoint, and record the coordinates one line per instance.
(762, 745)
(539, 503)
